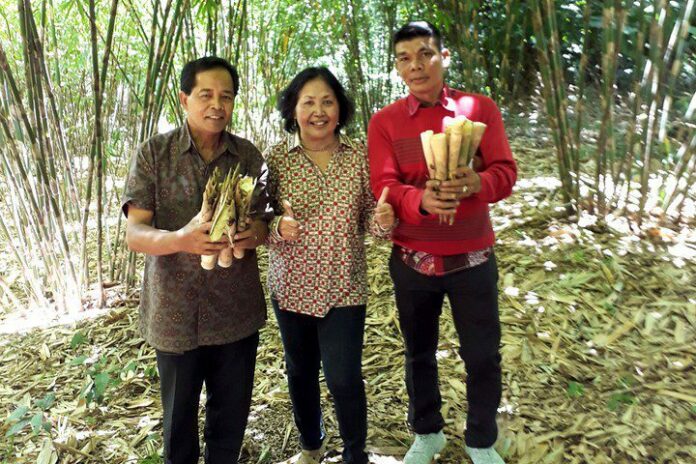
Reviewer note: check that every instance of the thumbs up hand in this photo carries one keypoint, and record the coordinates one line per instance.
(288, 227)
(384, 213)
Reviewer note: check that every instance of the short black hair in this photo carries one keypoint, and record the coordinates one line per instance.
(191, 69)
(414, 29)
(287, 100)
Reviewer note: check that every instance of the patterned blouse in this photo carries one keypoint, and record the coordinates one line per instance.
(325, 267)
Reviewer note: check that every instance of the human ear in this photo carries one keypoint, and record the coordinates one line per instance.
(183, 99)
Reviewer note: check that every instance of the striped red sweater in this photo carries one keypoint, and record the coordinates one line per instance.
(397, 161)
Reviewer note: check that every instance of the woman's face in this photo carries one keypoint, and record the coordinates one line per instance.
(317, 112)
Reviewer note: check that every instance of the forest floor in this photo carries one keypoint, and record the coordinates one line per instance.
(599, 325)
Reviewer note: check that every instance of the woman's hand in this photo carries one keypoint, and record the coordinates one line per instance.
(288, 227)
(384, 213)
(251, 235)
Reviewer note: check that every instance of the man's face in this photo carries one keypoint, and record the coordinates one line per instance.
(210, 104)
(421, 65)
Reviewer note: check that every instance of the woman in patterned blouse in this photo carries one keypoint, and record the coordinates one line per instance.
(319, 187)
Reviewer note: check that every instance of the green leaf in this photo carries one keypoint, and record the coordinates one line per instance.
(78, 361)
(17, 414)
(15, 429)
(46, 402)
(131, 366)
(78, 339)
(101, 381)
(37, 422)
(151, 459)
(617, 399)
(575, 389)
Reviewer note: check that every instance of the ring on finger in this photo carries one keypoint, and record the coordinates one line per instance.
(465, 189)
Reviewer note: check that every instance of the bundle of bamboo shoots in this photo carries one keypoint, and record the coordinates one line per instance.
(446, 152)
(227, 204)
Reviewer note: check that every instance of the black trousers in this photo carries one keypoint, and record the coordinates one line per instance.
(228, 373)
(473, 296)
(335, 342)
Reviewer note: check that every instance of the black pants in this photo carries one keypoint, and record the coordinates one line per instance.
(334, 342)
(473, 296)
(228, 373)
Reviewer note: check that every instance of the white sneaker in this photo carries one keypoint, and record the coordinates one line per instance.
(307, 456)
(425, 447)
(484, 455)
(312, 456)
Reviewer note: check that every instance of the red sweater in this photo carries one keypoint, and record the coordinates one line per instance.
(397, 162)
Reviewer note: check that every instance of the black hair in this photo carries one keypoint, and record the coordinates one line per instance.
(191, 69)
(287, 100)
(414, 29)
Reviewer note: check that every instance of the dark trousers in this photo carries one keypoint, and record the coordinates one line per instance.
(334, 342)
(473, 296)
(228, 373)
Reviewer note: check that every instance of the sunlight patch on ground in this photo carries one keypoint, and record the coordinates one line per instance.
(20, 322)
(383, 459)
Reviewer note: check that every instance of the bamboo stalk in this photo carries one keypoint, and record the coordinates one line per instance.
(553, 103)
(651, 121)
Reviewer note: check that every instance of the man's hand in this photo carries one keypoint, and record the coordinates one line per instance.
(384, 213)
(253, 236)
(465, 183)
(194, 238)
(288, 227)
(437, 202)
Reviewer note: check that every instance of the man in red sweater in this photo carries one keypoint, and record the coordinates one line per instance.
(430, 258)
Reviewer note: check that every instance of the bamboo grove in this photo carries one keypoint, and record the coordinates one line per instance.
(83, 82)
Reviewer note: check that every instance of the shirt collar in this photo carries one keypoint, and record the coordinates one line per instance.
(294, 142)
(445, 99)
(186, 141)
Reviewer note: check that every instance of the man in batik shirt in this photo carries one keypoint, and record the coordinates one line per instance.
(204, 325)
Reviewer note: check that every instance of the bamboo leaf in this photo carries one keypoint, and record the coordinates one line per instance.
(17, 427)
(17, 414)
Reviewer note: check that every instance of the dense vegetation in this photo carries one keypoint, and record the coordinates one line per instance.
(83, 82)
(599, 99)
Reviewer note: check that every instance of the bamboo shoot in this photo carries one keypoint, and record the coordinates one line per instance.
(428, 152)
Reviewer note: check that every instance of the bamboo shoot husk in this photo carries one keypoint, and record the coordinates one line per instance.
(464, 159)
(476, 135)
(428, 152)
(438, 144)
(225, 257)
(224, 211)
(456, 136)
(210, 198)
(454, 142)
(243, 193)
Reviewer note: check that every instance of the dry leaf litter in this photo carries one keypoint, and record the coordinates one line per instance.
(598, 357)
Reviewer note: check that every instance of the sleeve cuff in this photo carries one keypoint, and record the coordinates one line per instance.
(486, 188)
(273, 232)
